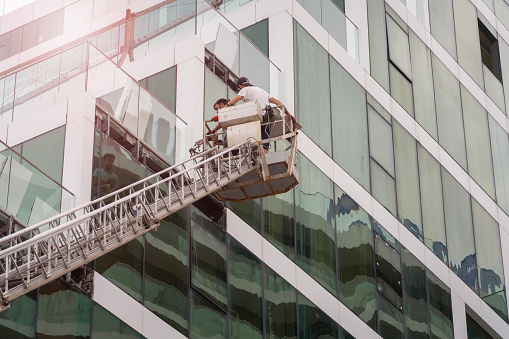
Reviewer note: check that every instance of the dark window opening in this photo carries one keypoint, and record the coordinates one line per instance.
(489, 51)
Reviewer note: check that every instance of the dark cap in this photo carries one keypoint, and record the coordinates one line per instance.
(243, 81)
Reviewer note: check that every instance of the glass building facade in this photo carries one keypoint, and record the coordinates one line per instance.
(399, 227)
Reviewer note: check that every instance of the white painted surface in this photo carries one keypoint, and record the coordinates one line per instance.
(130, 311)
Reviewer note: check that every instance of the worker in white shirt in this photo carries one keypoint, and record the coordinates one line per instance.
(250, 93)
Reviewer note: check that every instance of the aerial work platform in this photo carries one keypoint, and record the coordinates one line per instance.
(278, 172)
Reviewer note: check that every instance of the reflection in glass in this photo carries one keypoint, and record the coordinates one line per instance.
(314, 214)
(209, 265)
(475, 331)
(258, 34)
(167, 271)
(357, 288)
(278, 222)
(460, 232)
(280, 306)
(401, 90)
(249, 211)
(390, 320)
(388, 272)
(105, 326)
(440, 307)
(18, 322)
(349, 123)
(313, 322)
(123, 267)
(414, 296)
(245, 278)
(62, 312)
(206, 319)
(163, 86)
(432, 204)
(407, 180)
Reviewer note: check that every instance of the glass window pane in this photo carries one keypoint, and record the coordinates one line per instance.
(504, 64)
(383, 187)
(467, 39)
(215, 89)
(314, 215)
(500, 149)
(105, 326)
(334, 22)
(349, 123)
(380, 141)
(477, 137)
(401, 90)
(357, 289)
(407, 180)
(280, 306)
(249, 211)
(312, 97)
(388, 272)
(254, 65)
(18, 322)
(475, 331)
(123, 267)
(163, 86)
(278, 222)
(313, 322)
(311, 7)
(432, 204)
(258, 34)
(390, 320)
(414, 296)
(449, 117)
(206, 319)
(488, 254)
(29, 35)
(440, 308)
(460, 233)
(245, 278)
(378, 43)
(62, 312)
(167, 271)
(209, 265)
(422, 83)
(399, 50)
(442, 24)
(48, 159)
(47, 27)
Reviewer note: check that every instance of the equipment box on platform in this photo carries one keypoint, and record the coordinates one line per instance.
(240, 114)
(239, 134)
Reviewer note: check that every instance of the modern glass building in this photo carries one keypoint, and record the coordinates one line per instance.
(399, 227)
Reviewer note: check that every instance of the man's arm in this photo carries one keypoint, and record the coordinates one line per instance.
(235, 100)
(275, 101)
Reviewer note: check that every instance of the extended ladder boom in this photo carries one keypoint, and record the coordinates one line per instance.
(52, 248)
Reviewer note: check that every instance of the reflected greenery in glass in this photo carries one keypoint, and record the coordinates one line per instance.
(245, 299)
(249, 211)
(280, 306)
(388, 272)
(18, 322)
(314, 214)
(390, 320)
(207, 321)
(357, 288)
(208, 265)
(440, 307)
(62, 312)
(167, 271)
(313, 322)
(105, 326)
(123, 267)
(278, 222)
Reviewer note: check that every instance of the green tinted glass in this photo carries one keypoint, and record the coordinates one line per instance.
(278, 222)
(313, 322)
(105, 326)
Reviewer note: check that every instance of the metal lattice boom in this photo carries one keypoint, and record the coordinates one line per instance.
(33, 256)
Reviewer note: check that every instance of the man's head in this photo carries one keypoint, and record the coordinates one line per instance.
(220, 103)
(243, 82)
(108, 160)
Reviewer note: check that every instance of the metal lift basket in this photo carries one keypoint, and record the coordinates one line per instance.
(278, 170)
